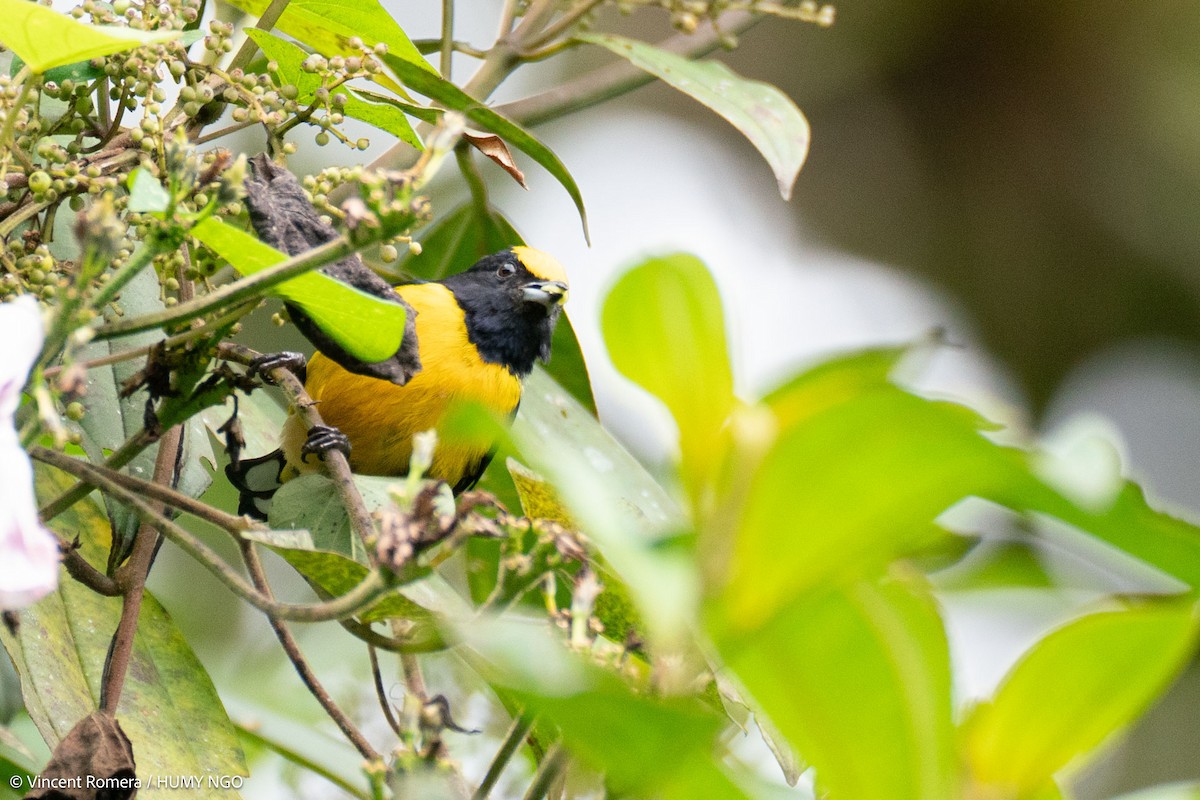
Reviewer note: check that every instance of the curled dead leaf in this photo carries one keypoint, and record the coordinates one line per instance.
(94, 760)
(494, 148)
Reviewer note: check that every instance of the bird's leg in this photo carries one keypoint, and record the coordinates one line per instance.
(294, 362)
(321, 439)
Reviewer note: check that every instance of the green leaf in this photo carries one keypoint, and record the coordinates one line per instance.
(45, 39)
(146, 193)
(848, 672)
(624, 511)
(461, 238)
(79, 71)
(664, 329)
(456, 99)
(326, 25)
(764, 115)
(169, 708)
(598, 715)
(1074, 689)
(368, 328)
(336, 573)
(851, 488)
(289, 57)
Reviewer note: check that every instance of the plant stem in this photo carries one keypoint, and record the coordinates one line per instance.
(512, 742)
(266, 22)
(335, 461)
(121, 278)
(562, 24)
(552, 766)
(132, 580)
(236, 292)
(447, 47)
(381, 695)
(123, 455)
(288, 642)
(616, 79)
(106, 478)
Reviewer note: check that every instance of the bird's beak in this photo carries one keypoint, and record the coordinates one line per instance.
(545, 293)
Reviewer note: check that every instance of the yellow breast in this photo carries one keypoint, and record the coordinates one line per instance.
(380, 418)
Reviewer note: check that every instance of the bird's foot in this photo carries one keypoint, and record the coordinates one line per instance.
(293, 362)
(321, 439)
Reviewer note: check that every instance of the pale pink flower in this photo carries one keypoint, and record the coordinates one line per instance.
(28, 552)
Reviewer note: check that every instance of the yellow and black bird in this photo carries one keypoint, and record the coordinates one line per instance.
(478, 334)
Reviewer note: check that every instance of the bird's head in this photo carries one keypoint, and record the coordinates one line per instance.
(512, 300)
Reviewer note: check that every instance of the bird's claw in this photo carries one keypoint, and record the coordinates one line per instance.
(294, 362)
(321, 439)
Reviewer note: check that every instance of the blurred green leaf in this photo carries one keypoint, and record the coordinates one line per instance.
(169, 708)
(830, 382)
(600, 717)
(449, 95)
(858, 680)
(367, 327)
(146, 193)
(1074, 689)
(16, 762)
(44, 38)
(764, 115)
(289, 57)
(623, 510)
(664, 329)
(851, 488)
(469, 233)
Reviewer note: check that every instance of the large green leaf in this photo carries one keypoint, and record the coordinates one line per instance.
(44, 38)
(289, 58)
(599, 716)
(461, 238)
(326, 25)
(858, 680)
(368, 328)
(664, 329)
(456, 99)
(851, 488)
(169, 708)
(1073, 689)
(628, 516)
(765, 115)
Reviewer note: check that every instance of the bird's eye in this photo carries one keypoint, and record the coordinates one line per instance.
(506, 271)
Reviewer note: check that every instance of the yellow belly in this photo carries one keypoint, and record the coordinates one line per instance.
(380, 418)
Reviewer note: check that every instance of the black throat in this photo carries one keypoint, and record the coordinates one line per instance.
(504, 330)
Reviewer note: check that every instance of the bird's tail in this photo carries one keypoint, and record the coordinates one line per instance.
(256, 480)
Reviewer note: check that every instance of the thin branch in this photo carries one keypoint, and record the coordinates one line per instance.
(617, 79)
(552, 767)
(563, 24)
(431, 643)
(447, 46)
(288, 642)
(335, 461)
(128, 451)
(381, 695)
(105, 478)
(132, 579)
(244, 289)
(512, 742)
(265, 23)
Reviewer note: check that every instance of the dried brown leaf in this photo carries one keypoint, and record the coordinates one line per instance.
(494, 148)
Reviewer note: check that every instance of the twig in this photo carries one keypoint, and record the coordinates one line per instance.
(562, 24)
(552, 766)
(447, 48)
(266, 22)
(132, 580)
(381, 694)
(512, 742)
(254, 567)
(335, 461)
(616, 79)
(428, 644)
(128, 451)
(105, 478)
(414, 680)
(236, 292)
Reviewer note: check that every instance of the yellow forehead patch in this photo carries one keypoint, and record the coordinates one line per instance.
(542, 266)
